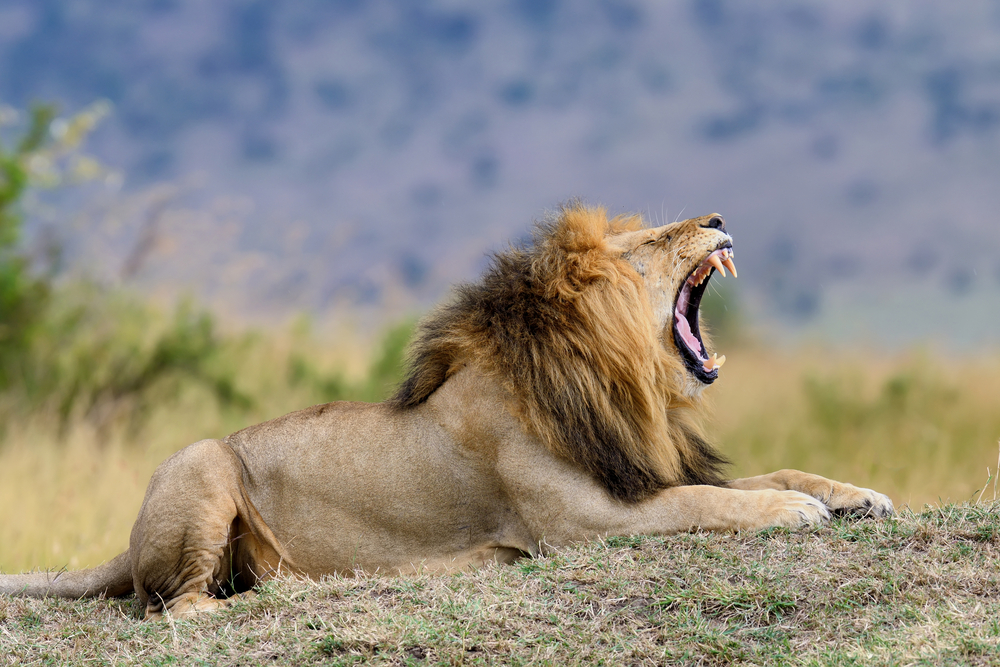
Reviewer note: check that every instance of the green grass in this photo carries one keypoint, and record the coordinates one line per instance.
(918, 589)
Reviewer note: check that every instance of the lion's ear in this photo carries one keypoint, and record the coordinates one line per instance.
(629, 241)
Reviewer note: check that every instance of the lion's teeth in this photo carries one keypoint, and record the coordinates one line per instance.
(713, 362)
(717, 263)
(720, 259)
(698, 277)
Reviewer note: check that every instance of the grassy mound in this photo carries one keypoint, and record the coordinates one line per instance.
(921, 588)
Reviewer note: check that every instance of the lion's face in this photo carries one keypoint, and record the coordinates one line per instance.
(676, 262)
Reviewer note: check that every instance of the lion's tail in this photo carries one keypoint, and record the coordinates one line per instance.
(112, 579)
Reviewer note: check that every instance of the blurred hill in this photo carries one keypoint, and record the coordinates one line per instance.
(285, 156)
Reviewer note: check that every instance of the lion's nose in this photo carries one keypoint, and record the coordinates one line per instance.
(716, 222)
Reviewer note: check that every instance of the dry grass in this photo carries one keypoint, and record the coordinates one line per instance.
(909, 426)
(916, 589)
(919, 427)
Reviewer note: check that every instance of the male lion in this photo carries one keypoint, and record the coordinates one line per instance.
(554, 401)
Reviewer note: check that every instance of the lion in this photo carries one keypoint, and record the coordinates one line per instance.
(556, 400)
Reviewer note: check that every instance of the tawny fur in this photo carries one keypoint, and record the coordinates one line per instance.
(547, 404)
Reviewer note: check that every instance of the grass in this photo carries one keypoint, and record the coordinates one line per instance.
(921, 588)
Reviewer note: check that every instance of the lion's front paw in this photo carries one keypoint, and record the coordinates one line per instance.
(791, 509)
(849, 500)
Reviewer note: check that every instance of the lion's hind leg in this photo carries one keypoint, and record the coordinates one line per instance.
(839, 497)
(191, 604)
(188, 604)
(192, 544)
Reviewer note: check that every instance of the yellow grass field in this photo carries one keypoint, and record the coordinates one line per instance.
(919, 428)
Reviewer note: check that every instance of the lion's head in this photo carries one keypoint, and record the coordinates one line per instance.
(594, 331)
(676, 262)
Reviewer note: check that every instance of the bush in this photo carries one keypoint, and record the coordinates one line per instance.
(24, 298)
(84, 351)
(384, 374)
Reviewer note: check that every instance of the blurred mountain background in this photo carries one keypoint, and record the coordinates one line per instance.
(275, 157)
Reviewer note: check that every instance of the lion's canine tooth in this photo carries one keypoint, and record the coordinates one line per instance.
(728, 261)
(717, 263)
(714, 362)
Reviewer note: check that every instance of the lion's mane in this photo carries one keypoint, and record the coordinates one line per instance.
(566, 327)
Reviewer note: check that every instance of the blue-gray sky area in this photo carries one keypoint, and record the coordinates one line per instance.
(312, 155)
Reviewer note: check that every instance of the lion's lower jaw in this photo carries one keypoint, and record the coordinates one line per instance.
(690, 386)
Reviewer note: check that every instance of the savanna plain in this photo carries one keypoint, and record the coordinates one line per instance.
(79, 444)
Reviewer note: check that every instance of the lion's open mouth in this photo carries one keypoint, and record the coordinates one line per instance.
(687, 332)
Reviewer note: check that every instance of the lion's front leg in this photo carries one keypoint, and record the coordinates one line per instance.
(684, 508)
(590, 513)
(841, 498)
(558, 504)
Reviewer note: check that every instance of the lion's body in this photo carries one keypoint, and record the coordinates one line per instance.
(546, 405)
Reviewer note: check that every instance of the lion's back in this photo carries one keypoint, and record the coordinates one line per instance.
(325, 437)
(308, 424)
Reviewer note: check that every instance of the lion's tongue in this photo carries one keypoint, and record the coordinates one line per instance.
(684, 329)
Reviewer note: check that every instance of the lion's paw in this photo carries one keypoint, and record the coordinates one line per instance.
(791, 509)
(849, 500)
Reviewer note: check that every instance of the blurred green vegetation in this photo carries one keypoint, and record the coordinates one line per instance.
(24, 298)
(110, 359)
(720, 313)
(840, 406)
(384, 373)
(918, 425)
(87, 351)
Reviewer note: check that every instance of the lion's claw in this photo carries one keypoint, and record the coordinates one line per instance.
(856, 502)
